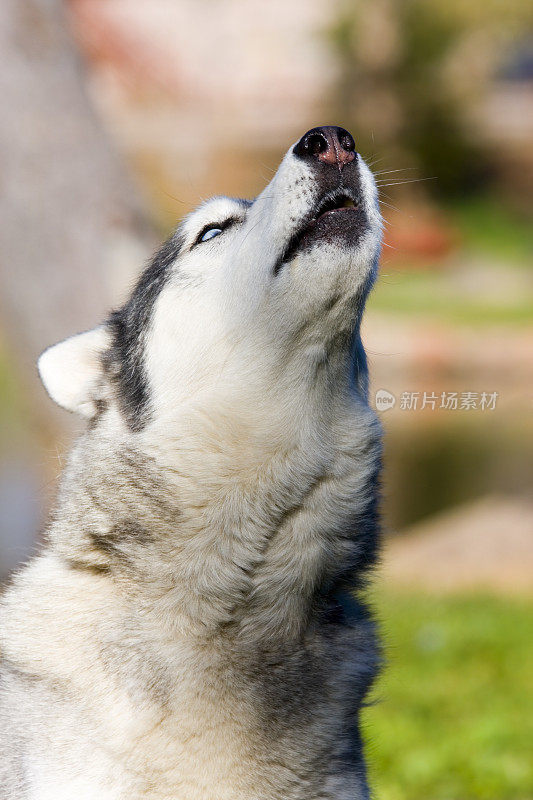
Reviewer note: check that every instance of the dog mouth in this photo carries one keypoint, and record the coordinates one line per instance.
(335, 205)
(336, 213)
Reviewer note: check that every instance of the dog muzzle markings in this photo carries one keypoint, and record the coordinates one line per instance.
(339, 212)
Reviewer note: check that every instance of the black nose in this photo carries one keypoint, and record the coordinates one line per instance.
(329, 145)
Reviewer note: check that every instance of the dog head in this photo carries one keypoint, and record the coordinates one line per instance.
(245, 297)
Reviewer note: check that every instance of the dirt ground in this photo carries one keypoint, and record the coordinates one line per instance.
(484, 545)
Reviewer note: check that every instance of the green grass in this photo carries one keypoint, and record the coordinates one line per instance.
(434, 294)
(488, 225)
(453, 717)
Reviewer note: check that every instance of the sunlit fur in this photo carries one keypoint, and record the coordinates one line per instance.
(187, 632)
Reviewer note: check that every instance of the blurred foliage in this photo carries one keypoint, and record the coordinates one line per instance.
(12, 406)
(453, 716)
(496, 242)
(487, 225)
(410, 70)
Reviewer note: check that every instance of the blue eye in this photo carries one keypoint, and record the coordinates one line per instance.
(210, 233)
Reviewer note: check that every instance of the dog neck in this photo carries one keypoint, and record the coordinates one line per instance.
(242, 521)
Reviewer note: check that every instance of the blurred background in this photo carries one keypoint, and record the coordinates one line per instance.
(119, 116)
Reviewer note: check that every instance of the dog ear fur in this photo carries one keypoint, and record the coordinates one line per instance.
(72, 371)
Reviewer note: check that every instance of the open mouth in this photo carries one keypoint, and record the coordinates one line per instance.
(337, 204)
(336, 210)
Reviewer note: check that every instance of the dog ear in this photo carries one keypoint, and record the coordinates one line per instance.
(72, 371)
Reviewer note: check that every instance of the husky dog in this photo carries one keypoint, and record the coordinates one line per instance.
(192, 629)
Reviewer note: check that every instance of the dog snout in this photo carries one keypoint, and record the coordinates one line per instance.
(328, 145)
